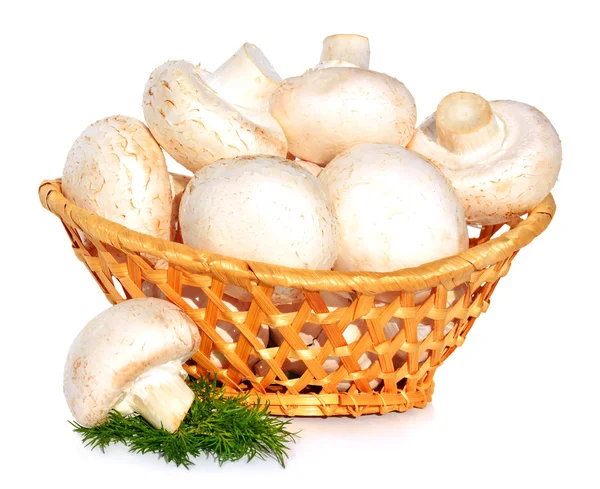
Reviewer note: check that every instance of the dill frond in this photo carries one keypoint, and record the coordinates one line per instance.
(224, 427)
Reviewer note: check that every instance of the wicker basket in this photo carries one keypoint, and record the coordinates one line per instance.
(119, 258)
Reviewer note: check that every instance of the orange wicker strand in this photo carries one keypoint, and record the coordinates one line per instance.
(126, 264)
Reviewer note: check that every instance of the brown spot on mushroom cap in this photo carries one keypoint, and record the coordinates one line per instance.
(119, 345)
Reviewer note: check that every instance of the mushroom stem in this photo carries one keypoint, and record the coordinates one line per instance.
(160, 396)
(246, 79)
(465, 123)
(351, 48)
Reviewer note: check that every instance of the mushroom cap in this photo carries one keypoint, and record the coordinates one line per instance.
(119, 345)
(196, 126)
(326, 111)
(117, 170)
(503, 181)
(260, 208)
(395, 210)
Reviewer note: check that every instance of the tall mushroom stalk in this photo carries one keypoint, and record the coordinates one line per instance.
(247, 78)
(200, 117)
(160, 395)
(345, 49)
(465, 123)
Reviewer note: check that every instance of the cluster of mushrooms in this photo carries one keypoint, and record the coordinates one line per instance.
(321, 171)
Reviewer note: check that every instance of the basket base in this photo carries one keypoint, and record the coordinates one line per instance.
(344, 404)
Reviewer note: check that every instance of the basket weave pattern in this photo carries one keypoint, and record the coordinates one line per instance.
(114, 254)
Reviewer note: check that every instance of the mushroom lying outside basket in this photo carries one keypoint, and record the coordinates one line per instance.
(121, 261)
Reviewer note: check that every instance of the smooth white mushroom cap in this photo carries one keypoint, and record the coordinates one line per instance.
(395, 210)
(117, 347)
(260, 208)
(326, 111)
(281, 295)
(503, 164)
(197, 126)
(117, 170)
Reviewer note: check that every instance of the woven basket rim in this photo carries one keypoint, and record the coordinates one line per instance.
(449, 272)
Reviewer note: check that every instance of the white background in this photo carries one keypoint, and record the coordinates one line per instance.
(515, 406)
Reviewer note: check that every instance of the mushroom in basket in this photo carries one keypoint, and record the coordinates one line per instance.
(117, 170)
(503, 157)
(199, 117)
(341, 103)
(260, 208)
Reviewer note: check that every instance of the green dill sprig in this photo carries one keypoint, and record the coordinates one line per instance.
(224, 427)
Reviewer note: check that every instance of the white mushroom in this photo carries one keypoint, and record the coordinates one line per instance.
(281, 295)
(503, 157)
(395, 210)
(341, 103)
(129, 358)
(117, 170)
(228, 331)
(260, 208)
(199, 117)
